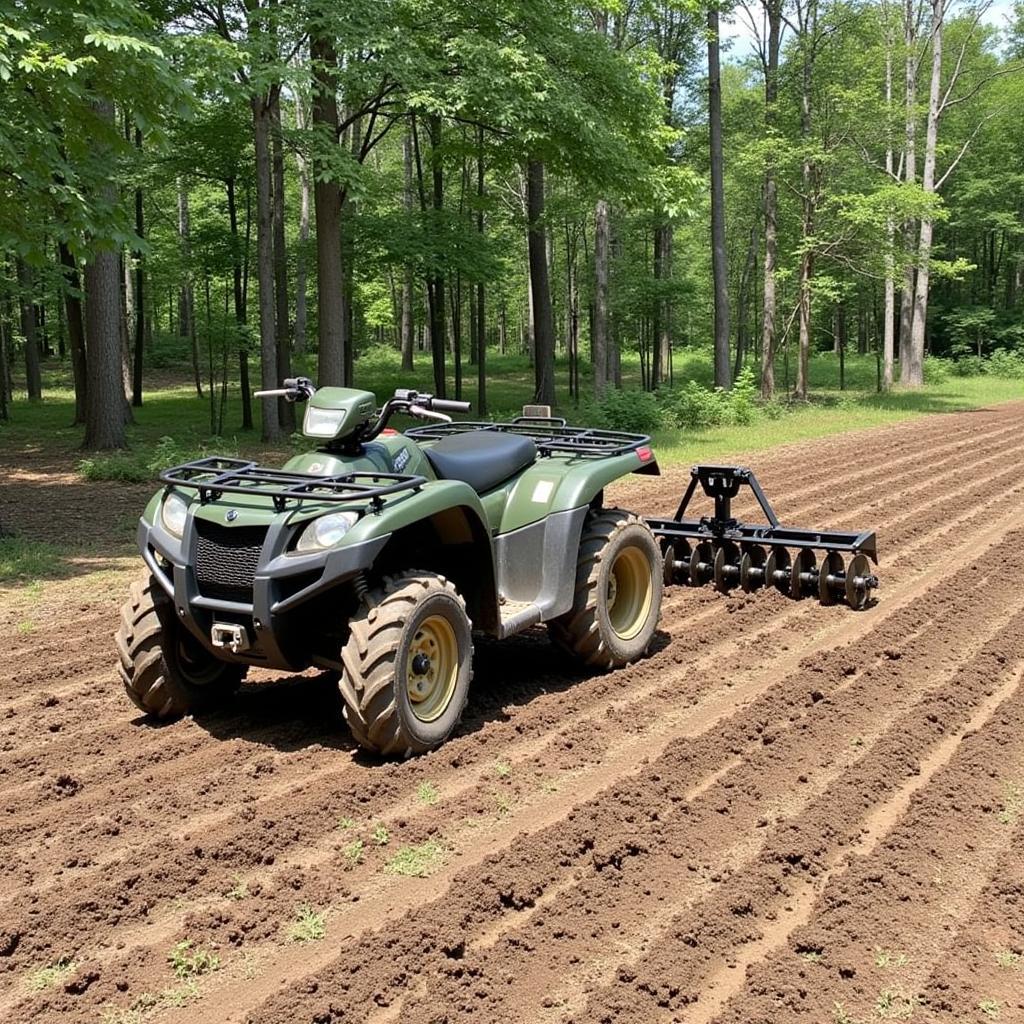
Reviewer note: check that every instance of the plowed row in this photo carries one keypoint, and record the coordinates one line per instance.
(785, 813)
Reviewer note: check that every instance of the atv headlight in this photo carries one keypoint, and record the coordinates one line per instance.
(173, 513)
(323, 422)
(326, 531)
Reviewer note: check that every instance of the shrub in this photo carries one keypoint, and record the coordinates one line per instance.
(743, 397)
(1006, 364)
(969, 366)
(141, 467)
(937, 370)
(695, 407)
(632, 410)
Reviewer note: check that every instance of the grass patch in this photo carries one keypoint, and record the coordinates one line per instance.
(52, 976)
(191, 962)
(25, 561)
(502, 769)
(895, 1005)
(991, 1008)
(346, 824)
(1007, 959)
(886, 959)
(353, 852)
(380, 835)
(239, 890)
(426, 793)
(1013, 804)
(416, 861)
(121, 1015)
(308, 926)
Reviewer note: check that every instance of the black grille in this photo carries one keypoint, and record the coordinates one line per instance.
(226, 559)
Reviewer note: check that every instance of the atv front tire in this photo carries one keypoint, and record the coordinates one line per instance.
(407, 665)
(166, 672)
(619, 585)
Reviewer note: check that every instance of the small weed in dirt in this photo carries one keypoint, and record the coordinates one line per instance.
(1013, 804)
(812, 956)
(426, 793)
(840, 1016)
(52, 976)
(189, 962)
(895, 1005)
(121, 1015)
(25, 627)
(239, 890)
(504, 803)
(180, 995)
(353, 852)
(1007, 959)
(502, 769)
(308, 926)
(886, 958)
(380, 835)
(416, 861)
(857, 741)
(346, 824)
(990, 1007)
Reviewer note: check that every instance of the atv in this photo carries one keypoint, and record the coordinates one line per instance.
(379, 554)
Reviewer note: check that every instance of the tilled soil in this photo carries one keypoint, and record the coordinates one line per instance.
(785, 813)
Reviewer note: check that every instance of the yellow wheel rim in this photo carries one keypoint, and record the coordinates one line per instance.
(432, 668)
(630, 592)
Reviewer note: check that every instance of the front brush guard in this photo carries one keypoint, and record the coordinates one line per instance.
(724, 550)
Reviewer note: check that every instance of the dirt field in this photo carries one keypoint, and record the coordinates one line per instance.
(786, 813)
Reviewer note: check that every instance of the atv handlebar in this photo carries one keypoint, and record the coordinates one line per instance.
(296, 389)
(449, 405)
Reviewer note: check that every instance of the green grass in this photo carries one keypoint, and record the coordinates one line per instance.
(173, 425)
(52, 976)
(1007, 959)
(25, 561)
(353, 852)
(416, 861)
(191, 962)
(308, 926)
(426, 793)
(380, 835)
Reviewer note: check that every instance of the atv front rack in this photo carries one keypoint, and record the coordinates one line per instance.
(551, 436)
(722, 550)
(215, 476)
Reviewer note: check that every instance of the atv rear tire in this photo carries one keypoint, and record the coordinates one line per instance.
(166, 672)
(618, 592)
(407, 665)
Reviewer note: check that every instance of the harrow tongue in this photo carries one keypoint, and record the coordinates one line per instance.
(722, 550)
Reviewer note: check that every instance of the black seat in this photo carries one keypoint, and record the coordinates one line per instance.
(481, 458)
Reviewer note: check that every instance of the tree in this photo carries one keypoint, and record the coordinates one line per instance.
(720, 270)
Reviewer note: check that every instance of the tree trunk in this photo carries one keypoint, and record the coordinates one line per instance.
(76, 327)
(105, 399)
(437, 318)
(543, 326)
(808, 203)
(140, 297)
(889, 311)
(719, 264)
(909, 175)
(261, 116)
(33, 374)
(599, 335)
(773, 11)
(285, 409)
(407, 330)
(915, 372)
(305, 188)
(237, 256)
(481, 320)
(746, 280)
(327, 205)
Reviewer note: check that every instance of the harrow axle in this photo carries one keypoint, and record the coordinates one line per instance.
(721, 550)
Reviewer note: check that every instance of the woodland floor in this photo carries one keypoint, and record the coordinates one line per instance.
(786, 813)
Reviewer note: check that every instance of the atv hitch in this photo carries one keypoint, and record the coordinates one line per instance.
(230, 636)
(727, 552)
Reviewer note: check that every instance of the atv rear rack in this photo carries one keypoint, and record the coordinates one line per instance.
(550, 434)
(216, 475)
(727, 552)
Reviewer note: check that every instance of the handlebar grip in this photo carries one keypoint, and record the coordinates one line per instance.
(449, 405)
(291, 382)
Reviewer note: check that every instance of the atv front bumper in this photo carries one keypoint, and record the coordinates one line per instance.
(269, 607)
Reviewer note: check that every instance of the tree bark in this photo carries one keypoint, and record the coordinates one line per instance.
(540, 290)
(305, 188)
(241, 314)
(285, 409)
(76, 327)
(140, 296)
(33, 374)
(909, 176)
(889, 310)
(437, 317)
(599, 334)
(773, 11)
(719, 263)
(327, 206)
(915, 371)
(261, 116)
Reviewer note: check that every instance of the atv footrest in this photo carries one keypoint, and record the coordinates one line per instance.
(722, 550)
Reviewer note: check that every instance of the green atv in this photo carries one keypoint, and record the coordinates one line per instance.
(379, 554)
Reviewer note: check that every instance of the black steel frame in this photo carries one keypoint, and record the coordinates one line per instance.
(722, 484)
(551, 435)
(215, 476)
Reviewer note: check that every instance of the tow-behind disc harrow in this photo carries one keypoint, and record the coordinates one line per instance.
(723, 551)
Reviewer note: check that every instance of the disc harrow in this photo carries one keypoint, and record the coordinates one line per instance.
(728, 553)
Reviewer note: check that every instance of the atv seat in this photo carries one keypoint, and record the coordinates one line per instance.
(481, 458)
